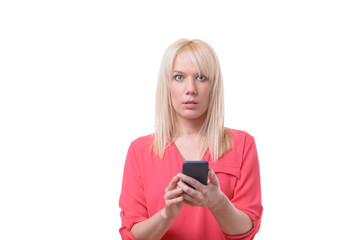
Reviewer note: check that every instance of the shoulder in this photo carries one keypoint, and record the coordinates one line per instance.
(239, 135)
(243, 146)
(142, 142)
(241, 140)
(139, 149)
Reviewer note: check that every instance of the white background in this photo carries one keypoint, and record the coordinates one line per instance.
(78, 85)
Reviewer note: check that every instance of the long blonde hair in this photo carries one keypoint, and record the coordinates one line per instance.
(216, 136)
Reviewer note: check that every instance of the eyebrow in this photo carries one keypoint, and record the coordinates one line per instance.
(177, 71)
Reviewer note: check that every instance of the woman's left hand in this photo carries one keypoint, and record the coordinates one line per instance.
(208, 195)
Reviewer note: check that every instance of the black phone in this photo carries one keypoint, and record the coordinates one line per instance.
(196, 169)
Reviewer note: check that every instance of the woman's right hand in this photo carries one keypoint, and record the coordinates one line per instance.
(156, 226)
(174, 201)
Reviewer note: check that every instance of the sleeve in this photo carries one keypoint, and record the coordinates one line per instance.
(132, 198)
(247, 193)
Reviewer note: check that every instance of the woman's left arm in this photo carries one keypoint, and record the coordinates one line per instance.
(231, 220)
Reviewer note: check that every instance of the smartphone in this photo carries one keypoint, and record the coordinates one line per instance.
(196, 169)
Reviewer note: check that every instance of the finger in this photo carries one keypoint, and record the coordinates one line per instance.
(173, 193)
(189, 200)
(173, 183)
(186, 188)
(174, 201)
(196, 196)
(200, 201)
(192, 181)
(213, 178)
(190, 203)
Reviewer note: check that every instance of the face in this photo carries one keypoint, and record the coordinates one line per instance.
(190, 92)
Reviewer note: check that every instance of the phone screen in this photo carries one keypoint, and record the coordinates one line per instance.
(196, 169)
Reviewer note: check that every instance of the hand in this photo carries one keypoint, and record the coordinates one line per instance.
(203, 195)
(174, 201)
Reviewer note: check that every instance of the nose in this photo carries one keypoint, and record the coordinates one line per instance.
(191, 87)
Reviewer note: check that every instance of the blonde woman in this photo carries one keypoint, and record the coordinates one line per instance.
(155, 202)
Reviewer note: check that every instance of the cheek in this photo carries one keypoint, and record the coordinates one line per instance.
(206, 95)
(174, 93)
(173, 101)
(174, 98)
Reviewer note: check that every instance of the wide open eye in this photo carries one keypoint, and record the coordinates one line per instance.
(178, 77)
(202, 78)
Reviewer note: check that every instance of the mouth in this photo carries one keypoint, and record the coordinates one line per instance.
(190, 102)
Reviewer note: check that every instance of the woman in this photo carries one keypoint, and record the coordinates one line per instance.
(190, 126)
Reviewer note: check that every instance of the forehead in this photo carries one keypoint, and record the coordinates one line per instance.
(183, 62)
(187, 62)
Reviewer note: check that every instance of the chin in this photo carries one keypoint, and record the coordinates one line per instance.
(193, 116)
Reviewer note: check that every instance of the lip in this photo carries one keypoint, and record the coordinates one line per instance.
(190, 102)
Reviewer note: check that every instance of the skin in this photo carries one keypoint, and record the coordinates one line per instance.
(187, 85)
(231, 220)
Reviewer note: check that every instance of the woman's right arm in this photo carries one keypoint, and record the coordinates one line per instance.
(156, 226)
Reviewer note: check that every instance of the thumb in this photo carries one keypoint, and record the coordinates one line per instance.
(212, 178)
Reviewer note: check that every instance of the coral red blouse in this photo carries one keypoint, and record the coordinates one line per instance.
(146, 176)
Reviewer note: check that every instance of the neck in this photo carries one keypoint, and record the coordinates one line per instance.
(189, 127)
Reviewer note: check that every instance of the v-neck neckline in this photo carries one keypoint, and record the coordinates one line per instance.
(182, 156)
